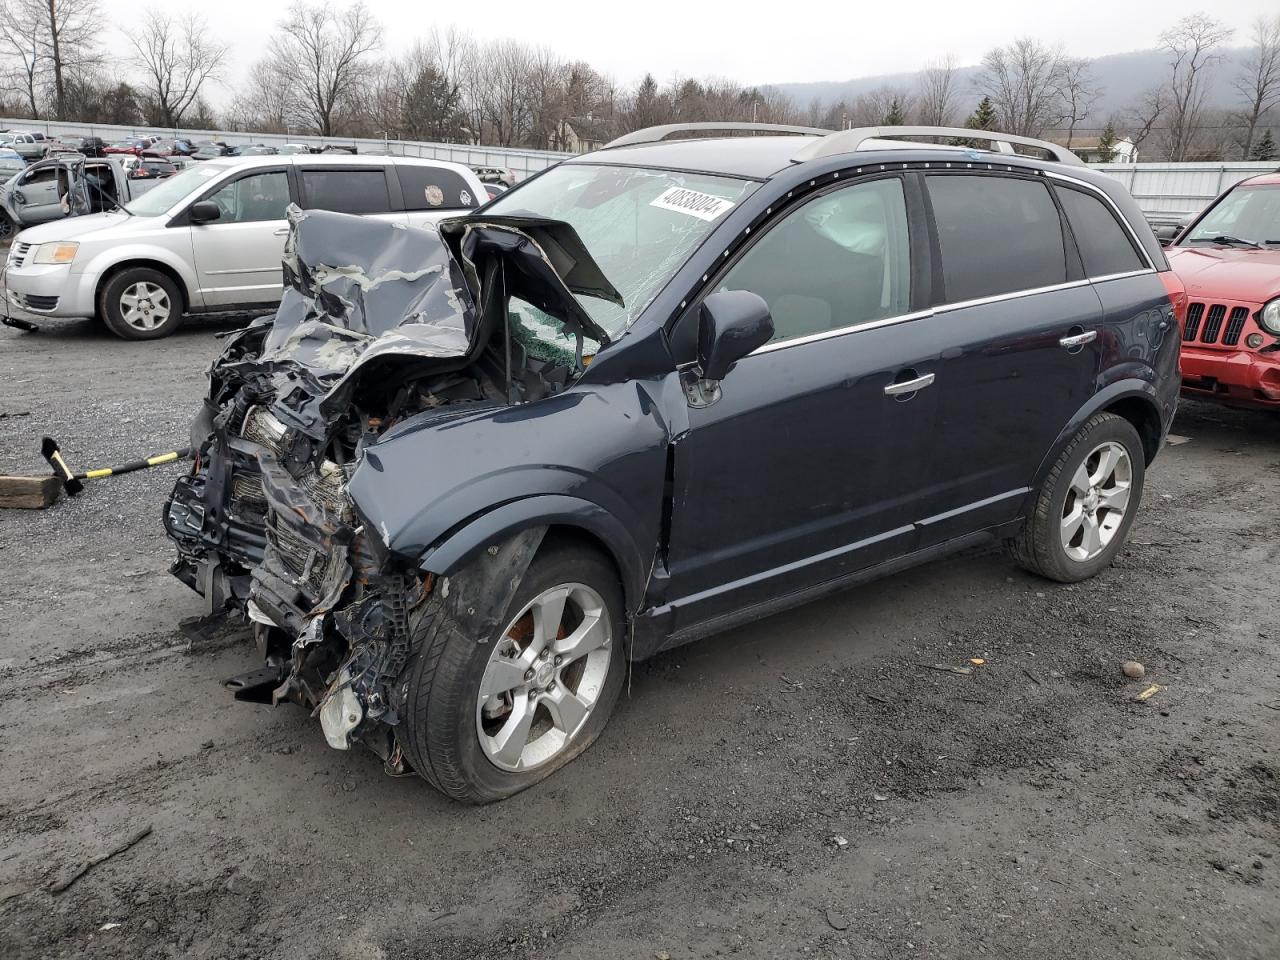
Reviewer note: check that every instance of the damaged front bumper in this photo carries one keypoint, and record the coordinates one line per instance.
(377, 323)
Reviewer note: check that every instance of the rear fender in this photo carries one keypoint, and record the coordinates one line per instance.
(1122, 390)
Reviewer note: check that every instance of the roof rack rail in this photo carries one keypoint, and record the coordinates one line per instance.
(850, 141)
(656, 134)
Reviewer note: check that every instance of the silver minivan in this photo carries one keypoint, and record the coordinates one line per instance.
(210, 239)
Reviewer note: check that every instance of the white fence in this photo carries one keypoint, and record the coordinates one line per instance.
(520, 162)
(1168, 192)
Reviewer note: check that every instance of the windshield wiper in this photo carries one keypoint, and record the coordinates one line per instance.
(1229, 241)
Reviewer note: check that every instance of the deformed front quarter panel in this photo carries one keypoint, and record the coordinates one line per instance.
(602, 444)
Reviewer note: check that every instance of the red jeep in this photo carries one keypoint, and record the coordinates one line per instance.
(1229, 260)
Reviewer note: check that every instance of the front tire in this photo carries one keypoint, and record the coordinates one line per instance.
(140, 303)
(1086, 504)
(487, 717)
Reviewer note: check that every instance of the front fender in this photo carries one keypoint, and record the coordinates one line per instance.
(141, 253)
(500, 524)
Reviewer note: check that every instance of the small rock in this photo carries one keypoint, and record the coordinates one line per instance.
(836, 921)
(840, 841)
(1133, 670)
(150, 925)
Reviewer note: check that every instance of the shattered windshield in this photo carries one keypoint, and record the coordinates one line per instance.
(639, 225)
(1246, 216)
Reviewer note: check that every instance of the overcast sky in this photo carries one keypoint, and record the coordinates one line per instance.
(749, 41)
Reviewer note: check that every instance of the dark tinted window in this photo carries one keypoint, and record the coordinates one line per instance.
(362, 190)
(997, 234)
(1104, 245)
(840, 260)
(434, 188)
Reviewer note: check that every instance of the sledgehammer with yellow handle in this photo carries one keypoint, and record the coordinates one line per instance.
(72, 481)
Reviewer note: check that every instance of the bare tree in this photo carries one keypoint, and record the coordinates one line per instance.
(58, 39)
(1142, 117)
(326, 53)
(177, 58)
(1192, 44)
(937, 93)
(1023, 81)
(1259, 84)
(1077, 92)
(21, 38)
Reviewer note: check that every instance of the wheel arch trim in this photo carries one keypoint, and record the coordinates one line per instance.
(464, 543)
(1128, 398)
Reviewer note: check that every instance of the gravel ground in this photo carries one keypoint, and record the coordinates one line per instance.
(806, 786)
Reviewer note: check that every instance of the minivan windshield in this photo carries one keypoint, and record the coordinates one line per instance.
(638, 224)
(162, 197)
(1245, 217)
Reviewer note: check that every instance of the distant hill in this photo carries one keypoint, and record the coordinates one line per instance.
(1122, 76)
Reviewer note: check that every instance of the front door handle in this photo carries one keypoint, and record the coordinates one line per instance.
(282, 232)
(908, 386)
(1077, 340)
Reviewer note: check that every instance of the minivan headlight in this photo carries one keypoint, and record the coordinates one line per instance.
(61, 252)
(1269, 317)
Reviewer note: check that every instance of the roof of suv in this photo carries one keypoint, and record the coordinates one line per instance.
(326, 160)
(754, 157)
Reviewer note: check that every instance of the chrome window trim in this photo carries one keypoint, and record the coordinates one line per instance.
(1121, 276)
(841, 331)
(935, 311)
(1101, 194)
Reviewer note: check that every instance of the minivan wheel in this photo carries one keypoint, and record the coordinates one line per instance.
(140, 304)
(484, 720)
(1086, 504)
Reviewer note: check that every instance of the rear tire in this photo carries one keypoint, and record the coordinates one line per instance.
(1086, 504)
(466, 697)
(140, 303)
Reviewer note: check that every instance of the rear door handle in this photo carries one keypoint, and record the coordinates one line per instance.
(908, 386)
(1079, 339)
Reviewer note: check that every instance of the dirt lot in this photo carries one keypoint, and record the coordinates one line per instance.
(808, 786)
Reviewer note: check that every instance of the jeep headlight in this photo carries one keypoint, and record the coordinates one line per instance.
(1269, 317)
(61, 252)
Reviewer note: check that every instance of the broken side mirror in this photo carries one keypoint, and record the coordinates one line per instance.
(731, 324)
(204, 211)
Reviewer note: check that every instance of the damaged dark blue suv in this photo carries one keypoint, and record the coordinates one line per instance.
(656, 392)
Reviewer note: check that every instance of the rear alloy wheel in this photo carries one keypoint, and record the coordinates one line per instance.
(1086, 504)
(486, 717)
(140, 304)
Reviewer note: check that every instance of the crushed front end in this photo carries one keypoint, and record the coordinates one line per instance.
(378, 324)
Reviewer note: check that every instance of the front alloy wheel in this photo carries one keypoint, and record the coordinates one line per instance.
(483, 717)
(544, 677)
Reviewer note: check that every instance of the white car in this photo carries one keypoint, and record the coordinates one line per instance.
(210, 239)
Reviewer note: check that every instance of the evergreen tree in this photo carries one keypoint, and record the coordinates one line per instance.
(896, 116)
(984, 118)
(1107, 143)
(1264, 148)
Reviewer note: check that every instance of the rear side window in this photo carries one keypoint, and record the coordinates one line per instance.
(997, 235)
(359, 190)
(1104, 246)
(434, 188)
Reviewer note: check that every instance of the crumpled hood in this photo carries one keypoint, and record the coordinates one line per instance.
(362, 294)
(1233, 273)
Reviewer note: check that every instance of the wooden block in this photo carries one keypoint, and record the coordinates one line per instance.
(29, 493)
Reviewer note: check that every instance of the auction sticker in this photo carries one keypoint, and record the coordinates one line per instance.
(704, 206)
